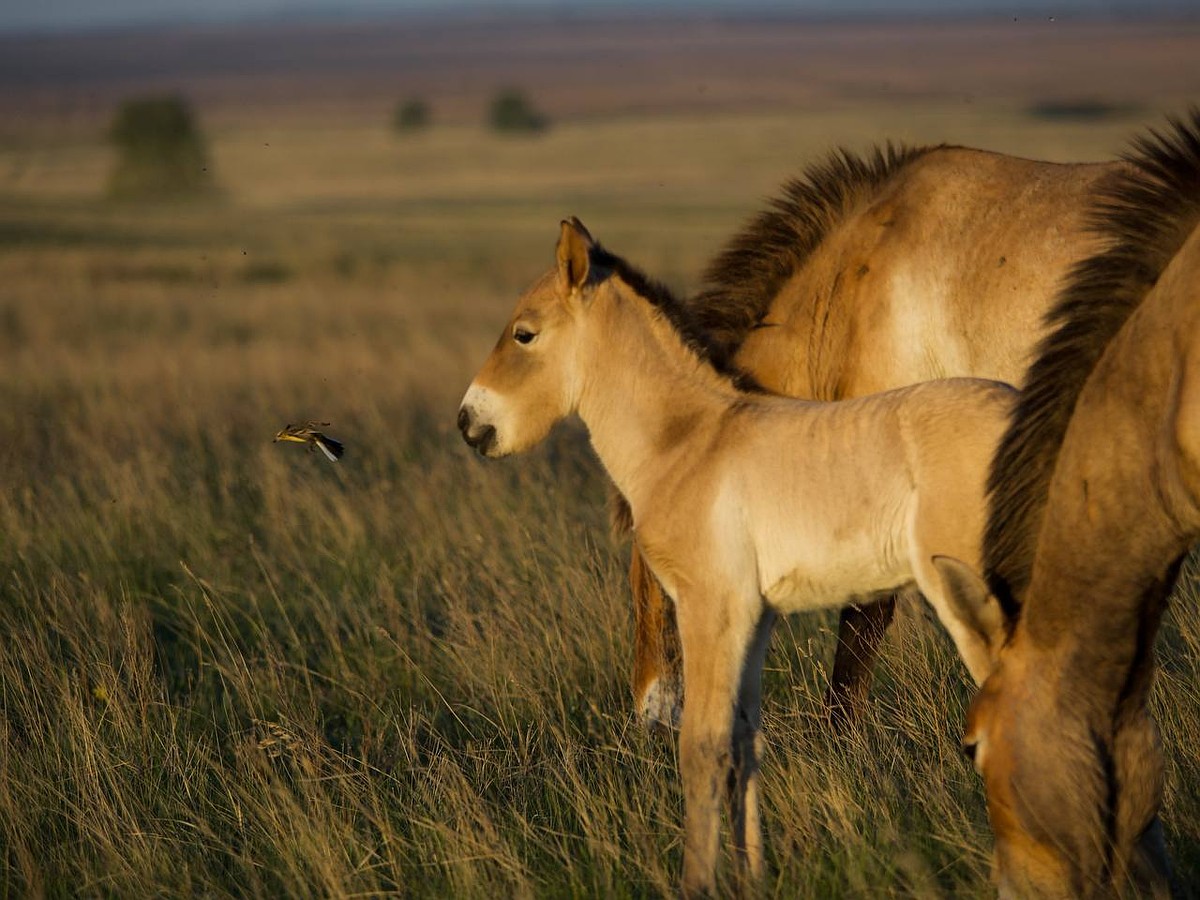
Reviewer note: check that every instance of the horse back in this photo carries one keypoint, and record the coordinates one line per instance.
(950, 430)
(945, 270)
(833, 490)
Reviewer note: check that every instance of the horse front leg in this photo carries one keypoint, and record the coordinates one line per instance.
(744, 809)
(860, 632)
(657, 688)
(715, 635)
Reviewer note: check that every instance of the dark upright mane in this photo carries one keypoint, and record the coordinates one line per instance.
(1143, 214)
(744, 279)
(675, 311)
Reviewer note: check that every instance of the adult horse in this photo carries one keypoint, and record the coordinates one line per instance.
(868, 274)
(1095, 501)
(746, 504)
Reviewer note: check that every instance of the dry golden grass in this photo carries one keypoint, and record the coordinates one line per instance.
(228, 667)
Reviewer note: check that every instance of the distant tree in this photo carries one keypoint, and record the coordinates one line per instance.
(161, 153)
(512, 111)
(411, 115)
(1082, 110)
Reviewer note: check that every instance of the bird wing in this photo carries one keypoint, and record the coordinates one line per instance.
(332, 449)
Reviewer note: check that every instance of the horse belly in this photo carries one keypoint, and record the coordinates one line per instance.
(829, 570)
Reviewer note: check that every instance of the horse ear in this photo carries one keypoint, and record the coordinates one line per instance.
(573, 254)
(970, 601)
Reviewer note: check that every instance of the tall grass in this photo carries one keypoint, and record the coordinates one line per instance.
(228, 667)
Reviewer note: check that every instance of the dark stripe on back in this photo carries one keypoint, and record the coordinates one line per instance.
(1144, 215)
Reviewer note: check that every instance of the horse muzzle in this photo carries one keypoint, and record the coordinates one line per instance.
(480, 437)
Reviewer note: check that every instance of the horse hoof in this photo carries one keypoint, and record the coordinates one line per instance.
(661, 706)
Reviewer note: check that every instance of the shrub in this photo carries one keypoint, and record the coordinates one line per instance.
(1082, 110)
(161, 153)
(512, 111)
(411, 115)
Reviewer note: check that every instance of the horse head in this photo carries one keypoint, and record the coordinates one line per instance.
(1073, 791)
(529, 382)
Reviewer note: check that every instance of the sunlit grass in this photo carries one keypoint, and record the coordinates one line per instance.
(230, 667)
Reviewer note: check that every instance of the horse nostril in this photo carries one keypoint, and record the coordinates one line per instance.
(482, 439)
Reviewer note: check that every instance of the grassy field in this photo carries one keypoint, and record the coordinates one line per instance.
(231, 668)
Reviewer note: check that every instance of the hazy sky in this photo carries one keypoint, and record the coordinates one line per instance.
(69, 14)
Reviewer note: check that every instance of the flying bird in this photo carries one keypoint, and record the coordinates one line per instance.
(307, 433)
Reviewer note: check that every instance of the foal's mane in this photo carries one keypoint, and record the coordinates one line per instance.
(676, 312)
(1143, 214)
(745, 277)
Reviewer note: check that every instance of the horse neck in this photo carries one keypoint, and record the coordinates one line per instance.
(807, 347)
(1096, 633)
(644, 395)
(1118, 517)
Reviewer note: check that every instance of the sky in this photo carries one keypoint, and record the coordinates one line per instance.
(21, 15)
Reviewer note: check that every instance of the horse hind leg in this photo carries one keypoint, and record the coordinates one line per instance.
(861, 630)
(657, 676)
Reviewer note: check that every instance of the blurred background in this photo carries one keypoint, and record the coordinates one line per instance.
(230, 667)
(432, 126)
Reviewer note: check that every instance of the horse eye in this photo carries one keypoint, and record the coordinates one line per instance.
(523, 336)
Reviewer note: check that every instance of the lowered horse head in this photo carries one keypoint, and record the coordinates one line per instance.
(529, 383)
(1074, 779)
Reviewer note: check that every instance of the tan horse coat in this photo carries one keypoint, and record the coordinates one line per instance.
(1096, 498)
(869, 274)
(745, 504)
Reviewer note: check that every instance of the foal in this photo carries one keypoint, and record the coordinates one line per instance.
(745, 504)
(867, 273)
